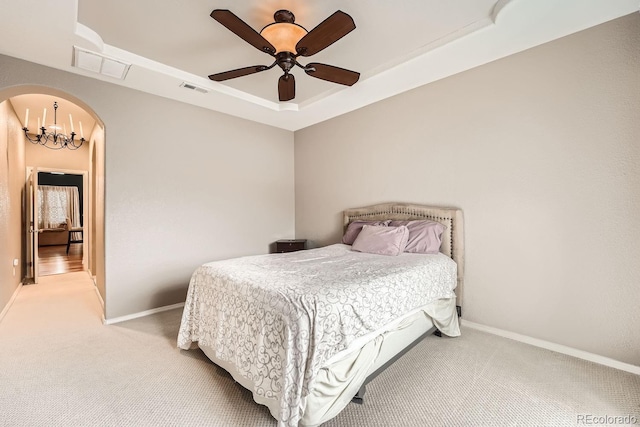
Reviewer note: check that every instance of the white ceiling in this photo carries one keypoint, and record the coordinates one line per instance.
(183, 35)
(396, 46)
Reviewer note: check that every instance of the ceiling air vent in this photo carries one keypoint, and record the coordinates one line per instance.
(97, 63)
(193, 87)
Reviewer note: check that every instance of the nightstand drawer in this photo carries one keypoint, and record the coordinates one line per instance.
(291, 245)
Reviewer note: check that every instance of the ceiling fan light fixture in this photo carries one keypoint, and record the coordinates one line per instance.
(283, 35)
(285, 41)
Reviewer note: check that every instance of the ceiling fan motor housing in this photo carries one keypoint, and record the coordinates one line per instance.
(283, 15)
(286, 61)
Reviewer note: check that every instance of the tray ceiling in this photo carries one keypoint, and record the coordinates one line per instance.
(396, 46)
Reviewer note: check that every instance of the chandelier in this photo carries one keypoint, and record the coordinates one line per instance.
(56, 138)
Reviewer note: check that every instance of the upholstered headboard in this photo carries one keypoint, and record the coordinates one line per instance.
(451, 218)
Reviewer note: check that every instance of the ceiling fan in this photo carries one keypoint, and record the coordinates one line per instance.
(286, 41)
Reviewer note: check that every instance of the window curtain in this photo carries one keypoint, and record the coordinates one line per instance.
(57, 203)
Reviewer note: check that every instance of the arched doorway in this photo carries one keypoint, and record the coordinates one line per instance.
(88, 161)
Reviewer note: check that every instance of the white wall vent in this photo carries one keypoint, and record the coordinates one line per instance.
(193, 87)
(98, 63)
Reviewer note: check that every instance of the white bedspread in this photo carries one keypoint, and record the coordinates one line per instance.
(278, 318)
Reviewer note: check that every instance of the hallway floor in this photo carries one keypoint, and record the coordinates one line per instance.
(54, 259)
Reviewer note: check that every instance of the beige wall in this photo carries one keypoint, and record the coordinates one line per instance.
(12, 171)
(183, 185)
(96, 210)
(541, 150)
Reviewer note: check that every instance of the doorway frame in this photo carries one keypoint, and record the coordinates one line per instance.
(87, 225)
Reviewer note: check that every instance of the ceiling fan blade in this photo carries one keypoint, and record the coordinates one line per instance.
(286, 87)
(220, 77)
(332, 74)
(326, 33)
(243, 30)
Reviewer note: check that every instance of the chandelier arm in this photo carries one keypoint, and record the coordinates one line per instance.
(59, 140)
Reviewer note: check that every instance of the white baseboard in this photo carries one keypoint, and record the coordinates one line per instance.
(142, 314)
(101, 304)
(95, 287)
(99, 296)
(10, 303)
(569, 351)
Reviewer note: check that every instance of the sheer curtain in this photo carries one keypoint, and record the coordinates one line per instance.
(57, 203)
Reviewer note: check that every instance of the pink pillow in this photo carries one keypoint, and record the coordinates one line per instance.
(382, 240)
(425, 237)
(355, 227)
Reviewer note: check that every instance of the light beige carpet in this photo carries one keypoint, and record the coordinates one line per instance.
(59, 366)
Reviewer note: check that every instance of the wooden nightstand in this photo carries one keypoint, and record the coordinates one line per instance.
(291, 245)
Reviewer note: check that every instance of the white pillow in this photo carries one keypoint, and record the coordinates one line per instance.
(382, 240)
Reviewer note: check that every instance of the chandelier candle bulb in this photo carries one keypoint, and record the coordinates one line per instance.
(26, 119)
(44, 118)
(64, 128)
(81, 131)
(71, 121)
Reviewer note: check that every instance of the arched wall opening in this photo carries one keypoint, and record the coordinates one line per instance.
(16, 195)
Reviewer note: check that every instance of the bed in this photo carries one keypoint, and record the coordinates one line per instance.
(305, 331)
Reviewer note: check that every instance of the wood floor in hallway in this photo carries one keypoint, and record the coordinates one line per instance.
(54, 259)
